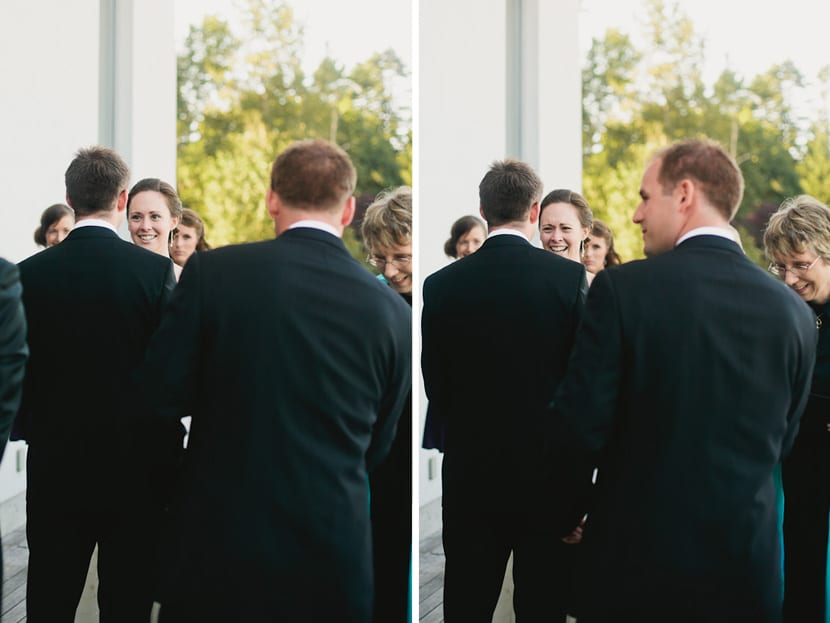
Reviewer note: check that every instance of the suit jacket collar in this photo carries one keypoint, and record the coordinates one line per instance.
(710, 242)
(311, 234)
(91, 231)
(507, 240)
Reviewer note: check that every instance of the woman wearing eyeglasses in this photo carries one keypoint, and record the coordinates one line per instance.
(797, 242)
(387, 235)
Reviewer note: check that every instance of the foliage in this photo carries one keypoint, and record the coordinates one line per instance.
(637, 99)
(244, 96)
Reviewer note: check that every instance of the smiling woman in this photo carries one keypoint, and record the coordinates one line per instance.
(797, 243)
(153, 211)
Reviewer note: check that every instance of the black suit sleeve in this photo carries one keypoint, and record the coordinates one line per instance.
(801, 385)
(173, 354)
(431, 355)
(398, 392)
(13, 349)
(584, 407)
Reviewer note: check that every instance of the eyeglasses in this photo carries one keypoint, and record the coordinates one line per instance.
(398, 261)
(798, 269)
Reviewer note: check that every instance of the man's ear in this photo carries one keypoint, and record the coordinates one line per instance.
(686, 193)
(348, 212)
(69, 203)
(534, 213)
(121, 205)
(272, 201)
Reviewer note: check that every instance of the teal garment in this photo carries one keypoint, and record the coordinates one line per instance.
(779, 500)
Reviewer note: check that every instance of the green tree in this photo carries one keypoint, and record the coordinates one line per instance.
(244, 96)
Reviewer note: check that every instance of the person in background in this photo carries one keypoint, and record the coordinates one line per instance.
(55, 224)
(467, 234)
(387, 234)
(797, 244)
(564, 223)
(599, 250)
(153, 212)
(188, 237)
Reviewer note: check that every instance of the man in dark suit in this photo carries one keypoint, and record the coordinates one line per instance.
(688, 378)
(92, 303)
(498, 327)
(13, 353)
(295, 363)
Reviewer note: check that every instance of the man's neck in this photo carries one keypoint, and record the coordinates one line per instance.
(526, 229)
(294, 216)
(110, 217)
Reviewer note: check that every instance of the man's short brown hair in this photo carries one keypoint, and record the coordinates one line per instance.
(313, 175)
(707, 163)
(507, 192)
(94, 180)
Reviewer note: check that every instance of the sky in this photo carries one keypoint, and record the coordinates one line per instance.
(745, 35)
(349, 31)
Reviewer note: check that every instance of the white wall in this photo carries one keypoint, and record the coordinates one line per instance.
(51, 55)
(463, 126)
(48, 107)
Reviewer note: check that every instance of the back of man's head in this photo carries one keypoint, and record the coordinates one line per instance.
(507, 192)
(94, 180)
(706, 162)
(313, 175)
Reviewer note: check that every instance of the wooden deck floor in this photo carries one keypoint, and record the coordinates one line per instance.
(431, 580)
(15, 565)
(16, 556)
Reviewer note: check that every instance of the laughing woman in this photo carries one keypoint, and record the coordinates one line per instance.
(797, 243)
(387, 235)
(153, 212)
(564, 223)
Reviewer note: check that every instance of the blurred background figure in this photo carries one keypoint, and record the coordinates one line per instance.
(387, 234)
(599, 252)
(797, 243)
(564, 223)
(153, 212)
(55, 224)
(188, 237)
(467, 234)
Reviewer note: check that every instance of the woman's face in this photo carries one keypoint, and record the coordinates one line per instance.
(396, 265)
(150, 221)
(470, 242)
(560, 230)
(184, 243)
(596, 248)
(812, 279)
(59, 230)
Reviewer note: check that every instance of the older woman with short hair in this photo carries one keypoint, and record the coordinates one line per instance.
(387, 235)
(797, 243)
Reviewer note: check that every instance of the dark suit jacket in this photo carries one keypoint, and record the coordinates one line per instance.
(13, 349)
(688, 378)
(497, 330)
(92, 303)
(295, 363)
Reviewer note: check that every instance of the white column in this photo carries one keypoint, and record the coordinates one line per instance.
(144, 89)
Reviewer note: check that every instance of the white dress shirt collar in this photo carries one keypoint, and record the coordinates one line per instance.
(95, 222)
(316, 225)
(507, 231)
(707, 231)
